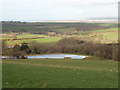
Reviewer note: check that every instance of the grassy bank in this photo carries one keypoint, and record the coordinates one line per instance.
(91, 72)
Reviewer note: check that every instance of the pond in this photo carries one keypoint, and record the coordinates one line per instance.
(58, 56)
(53, 56)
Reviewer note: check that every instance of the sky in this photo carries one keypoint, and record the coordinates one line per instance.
(40, 10)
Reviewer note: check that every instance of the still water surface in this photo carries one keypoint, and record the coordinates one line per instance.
(53, 56)
(58, 56)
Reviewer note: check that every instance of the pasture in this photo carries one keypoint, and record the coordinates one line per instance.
(38, 40)
(104, 35)
(100, 32)
(30, 36)
(91, 72)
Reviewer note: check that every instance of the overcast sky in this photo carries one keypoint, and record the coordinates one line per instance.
(57, 9)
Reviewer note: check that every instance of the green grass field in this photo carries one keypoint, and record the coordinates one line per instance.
(70, 29)
(104, 35)
(30, 36)
(39, 40)
(91, 72)
(108, 35)
(12, 36)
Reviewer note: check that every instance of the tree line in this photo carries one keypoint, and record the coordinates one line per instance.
(66, 45)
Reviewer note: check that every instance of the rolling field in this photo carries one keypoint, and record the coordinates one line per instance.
(103, 35)
(12, 36)
(100, 32)
(91, 72)
(55, 27)
(30, 36)
(55, 73)
(39, 40)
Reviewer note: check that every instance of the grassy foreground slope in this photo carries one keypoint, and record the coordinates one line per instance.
(55, 73)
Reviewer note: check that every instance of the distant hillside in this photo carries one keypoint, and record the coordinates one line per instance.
(43, 27)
